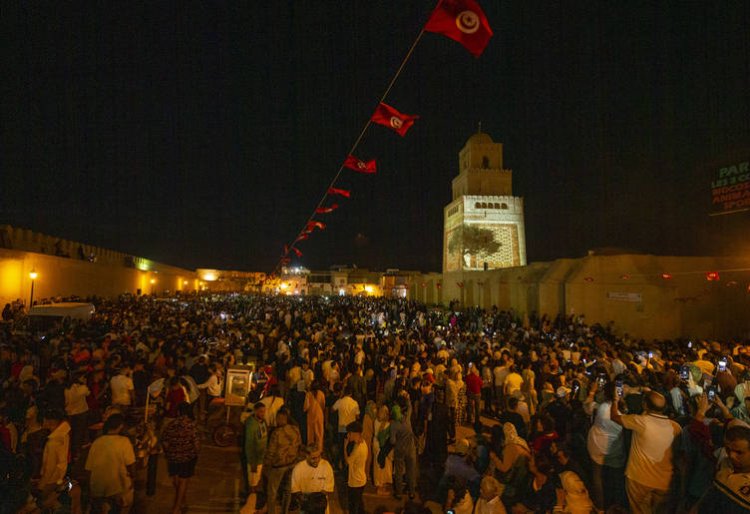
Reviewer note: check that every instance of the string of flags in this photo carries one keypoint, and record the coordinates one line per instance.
(463, 21)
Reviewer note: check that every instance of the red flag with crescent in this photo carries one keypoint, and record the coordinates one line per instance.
(389, 117)
(327, 210)
(339, 192)
(462, 21)
(312, 225)
(296, 252)
(359, 165)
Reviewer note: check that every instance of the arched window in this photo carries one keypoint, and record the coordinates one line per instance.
(484, 205)
(477, 205)
(485, 162)
(497, 206)
(504, 206)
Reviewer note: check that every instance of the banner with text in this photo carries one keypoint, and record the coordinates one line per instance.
(730, 188)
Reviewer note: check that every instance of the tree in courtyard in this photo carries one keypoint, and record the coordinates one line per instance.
(473, 240)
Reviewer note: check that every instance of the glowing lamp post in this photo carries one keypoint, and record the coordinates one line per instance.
(32, 275)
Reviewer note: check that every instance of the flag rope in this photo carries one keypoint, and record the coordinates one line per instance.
(353, 148)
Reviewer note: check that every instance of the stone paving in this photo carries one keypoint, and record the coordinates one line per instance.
(217, 486)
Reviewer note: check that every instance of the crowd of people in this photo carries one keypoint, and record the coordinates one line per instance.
(443, 409)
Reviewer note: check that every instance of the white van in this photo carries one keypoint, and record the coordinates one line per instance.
(72, 310)
(46, 316)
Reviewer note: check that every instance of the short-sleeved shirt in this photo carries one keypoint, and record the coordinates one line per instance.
(730, 491)
(357, 462)
(121, 386)
(513, 382)
(107, 461)
(348, 410)
(307, 479)
(650, 460)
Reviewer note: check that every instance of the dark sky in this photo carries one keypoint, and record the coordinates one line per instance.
(204, 135)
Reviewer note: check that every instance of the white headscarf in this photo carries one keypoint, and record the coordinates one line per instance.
(577, 499)
(512, 437)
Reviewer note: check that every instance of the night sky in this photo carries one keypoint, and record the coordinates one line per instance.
(204, 135)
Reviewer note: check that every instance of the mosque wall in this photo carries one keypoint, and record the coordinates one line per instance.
(62, 276)
(642, 295)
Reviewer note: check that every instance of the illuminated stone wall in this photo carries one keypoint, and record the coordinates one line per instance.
(628, 290)
(60, 276)
(503, 215)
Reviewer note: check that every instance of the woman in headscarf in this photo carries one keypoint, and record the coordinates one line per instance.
(577, 499)
(512, 468)
(382, 476)
(489, 501)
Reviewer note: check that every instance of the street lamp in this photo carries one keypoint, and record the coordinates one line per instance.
(32, 275)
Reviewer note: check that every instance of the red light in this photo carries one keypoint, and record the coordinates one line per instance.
(666, 276)
(712, 276)
(625, 277)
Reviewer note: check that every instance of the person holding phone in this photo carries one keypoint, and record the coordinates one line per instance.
(606, 446)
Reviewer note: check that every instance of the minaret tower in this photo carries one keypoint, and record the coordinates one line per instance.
(483, 225)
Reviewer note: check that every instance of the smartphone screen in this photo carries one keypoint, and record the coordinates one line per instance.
(722, 365)
(618, 388)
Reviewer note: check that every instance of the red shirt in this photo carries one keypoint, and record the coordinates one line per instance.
(543, 441)
(473, 384)
(15, 369)
(174, 398)
(5, 437)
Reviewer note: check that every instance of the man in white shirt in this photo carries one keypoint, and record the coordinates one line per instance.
(348, 410)
(606, 446)
(123, 390)
(650, 467)
(214, 384)
(499, 373)
(355, 453)
(513, 381)
(312, 475)
(111, 464)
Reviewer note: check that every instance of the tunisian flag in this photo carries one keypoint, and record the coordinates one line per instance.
(296, 252)
(389, 117)
(359, 165)
(327, 210)
(312, 225)
(341, 192)
(462, 21)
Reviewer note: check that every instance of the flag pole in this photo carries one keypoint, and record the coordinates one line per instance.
(356, 143)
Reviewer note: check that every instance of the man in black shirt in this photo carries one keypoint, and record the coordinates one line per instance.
(511, 415)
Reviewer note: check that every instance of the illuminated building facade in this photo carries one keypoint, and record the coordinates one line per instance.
(484, 224)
